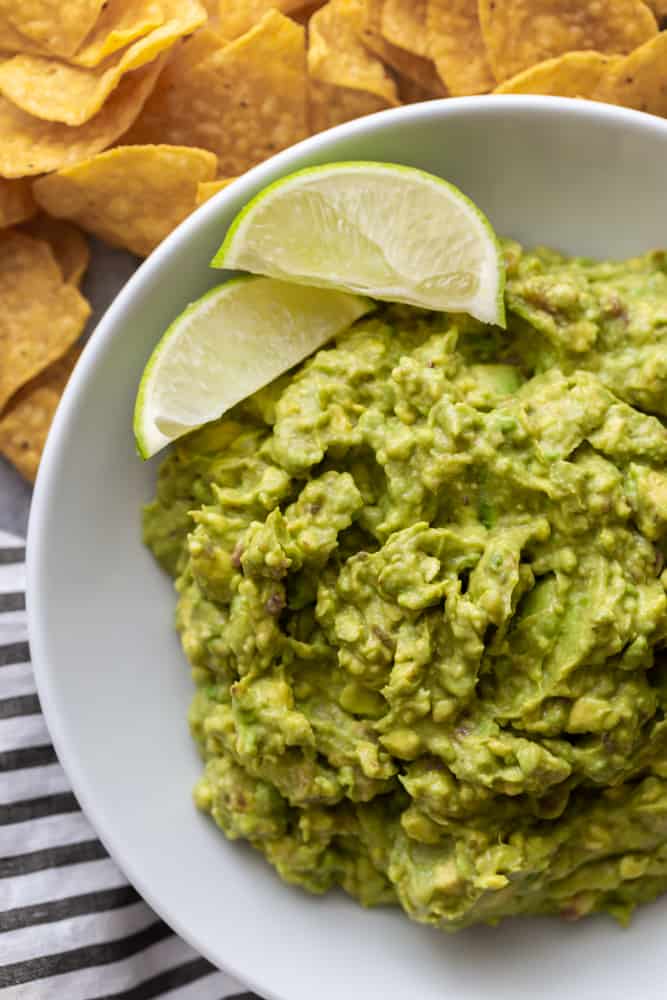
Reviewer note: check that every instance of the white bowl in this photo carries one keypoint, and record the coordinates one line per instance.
(582, 177)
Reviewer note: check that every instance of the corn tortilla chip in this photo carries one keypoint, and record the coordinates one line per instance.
(206, 189)
(457, 48)
(520, 33)
(68, 245)
(130, 196)
(213, 11)
(25, 423)
(337, 56)
(303, 14)
(12, 40)
(421, 70)
(121, 22)
(403, 23)
(410, 92)
(639, 80)
(235, 18)
(16, 202)
(58, 26)
(31, 146)
(575, 74)
(243, 100)
(330, 105)
(54, 91)
(185, 56)
(41, 315)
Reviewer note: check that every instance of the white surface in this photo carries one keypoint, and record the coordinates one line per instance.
(112, 680)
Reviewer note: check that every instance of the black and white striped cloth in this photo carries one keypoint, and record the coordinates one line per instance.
(71, 928)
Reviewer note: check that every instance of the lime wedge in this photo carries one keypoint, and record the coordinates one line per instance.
(378, 229)
(226, 345)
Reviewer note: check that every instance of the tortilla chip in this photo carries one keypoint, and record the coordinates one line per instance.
(346, 80)
(57, 26)
(120, 23)
(659, 8)
(206, 189)
(576, 74)
(31, 146)
(238, 16)
(329, 105)
(54, 91)
(24, 425)
(639, 80)
(248, 96)
(12, 40)
(520, 33)
(41, 315)
(16, 202)
(68, 245)
(421, 70)
(304, 14)
(410, 92)
(403, 23)
(130, 196)
(457, 48)
(337, 56)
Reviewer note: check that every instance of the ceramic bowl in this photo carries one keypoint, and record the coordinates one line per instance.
(582, 177)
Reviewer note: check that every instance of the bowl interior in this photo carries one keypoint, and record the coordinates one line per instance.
(114, 685)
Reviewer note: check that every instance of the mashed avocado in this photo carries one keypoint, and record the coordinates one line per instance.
(420, 583)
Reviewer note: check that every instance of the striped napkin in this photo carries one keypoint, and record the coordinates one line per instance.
(71, 928)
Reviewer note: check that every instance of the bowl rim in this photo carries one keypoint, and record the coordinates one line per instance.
(110, 326)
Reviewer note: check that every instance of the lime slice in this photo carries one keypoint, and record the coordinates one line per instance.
(378, 229)
(226, 345)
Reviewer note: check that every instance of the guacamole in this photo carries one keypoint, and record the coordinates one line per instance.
(421, 586)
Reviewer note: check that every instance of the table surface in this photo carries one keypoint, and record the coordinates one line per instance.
(109, 270)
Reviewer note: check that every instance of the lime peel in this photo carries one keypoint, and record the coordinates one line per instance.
(238, 337)
(385, 230)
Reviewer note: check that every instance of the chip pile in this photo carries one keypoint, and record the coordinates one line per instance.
(120, 117)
